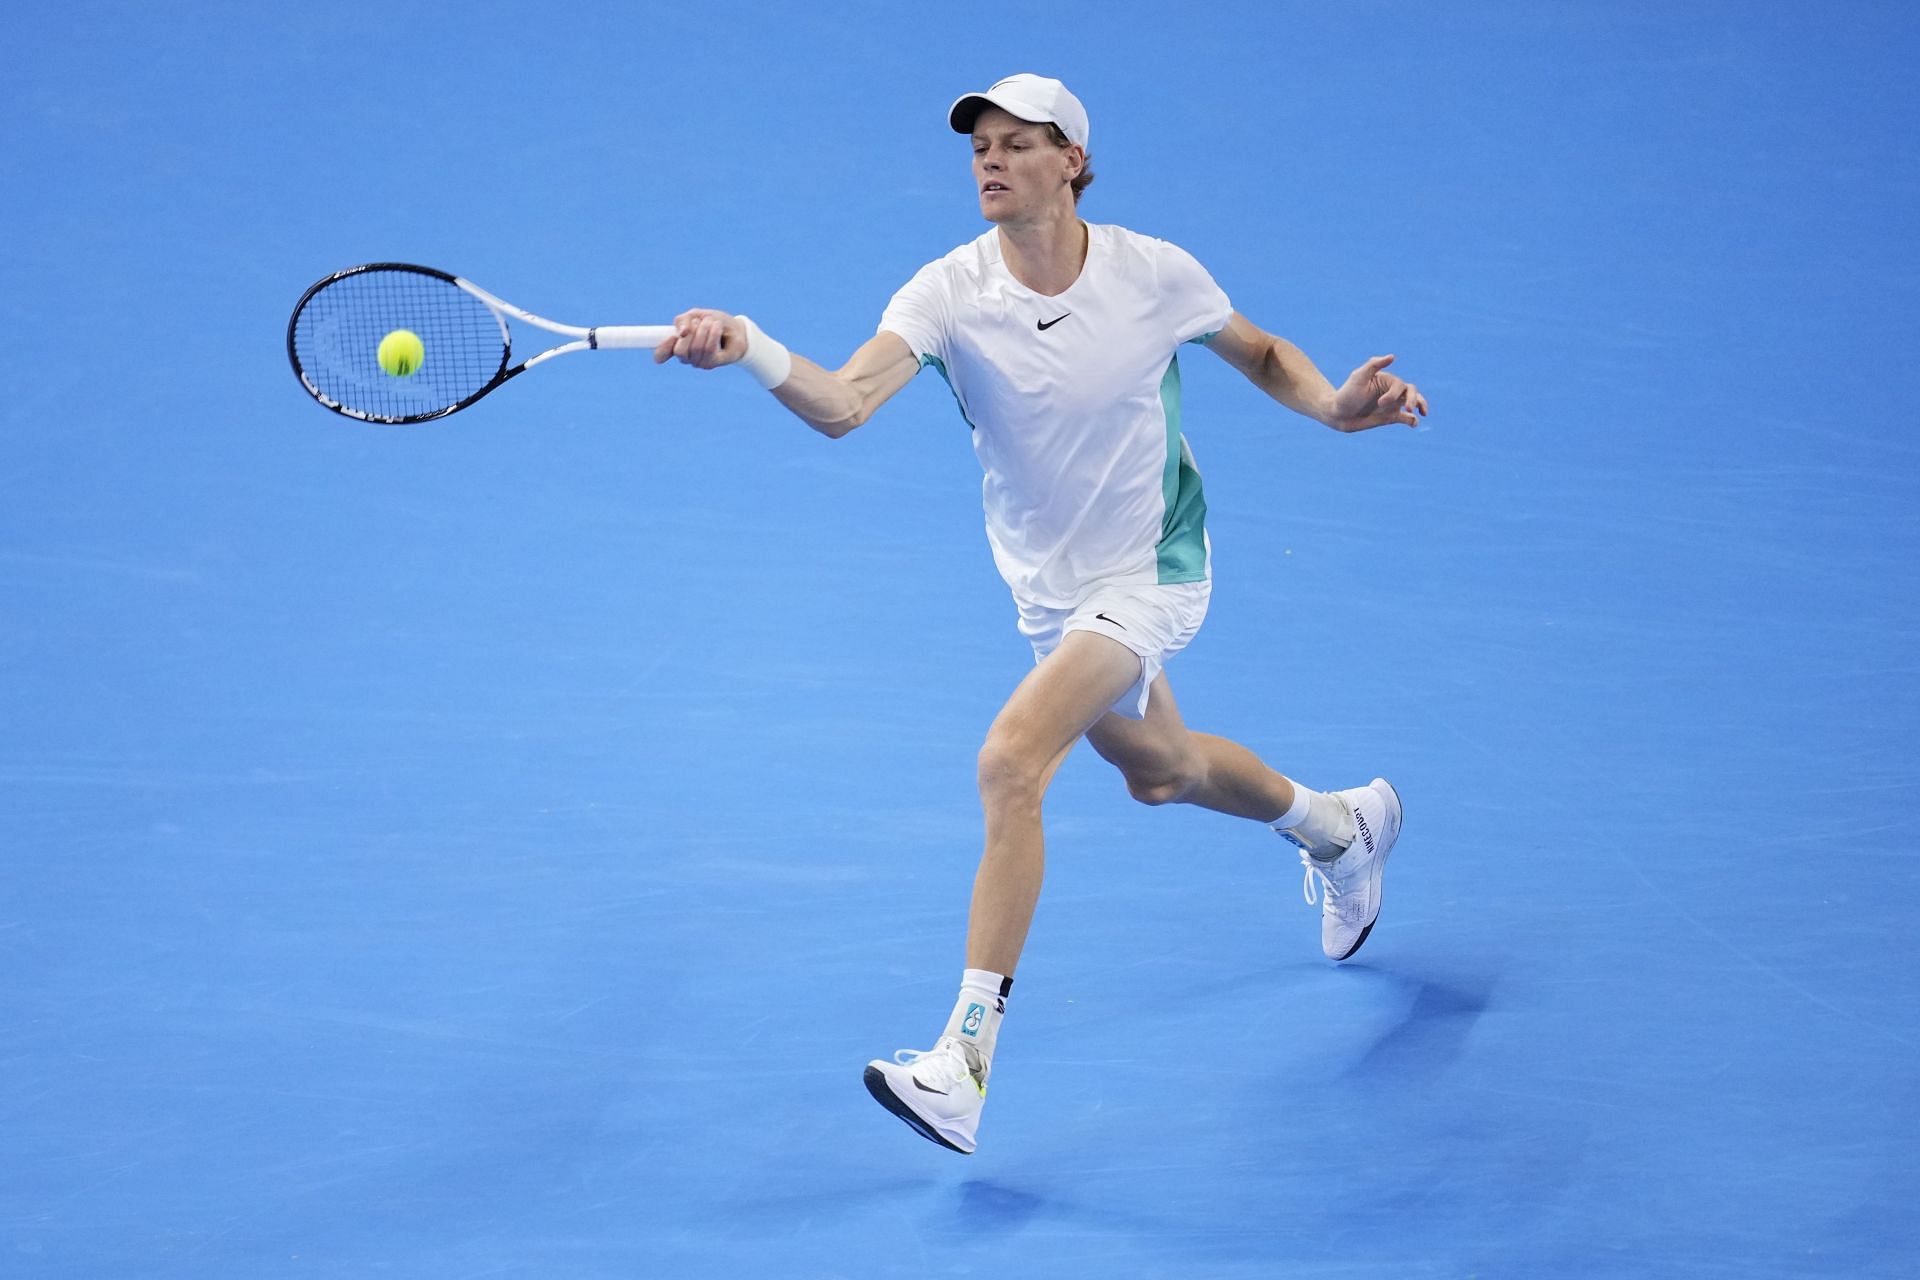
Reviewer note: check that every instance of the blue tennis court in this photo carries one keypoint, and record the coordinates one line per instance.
(493, 848)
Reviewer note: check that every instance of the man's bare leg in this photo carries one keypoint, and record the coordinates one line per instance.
(1166, 763)
(1029, 740)
(1344, 837)
(940, 1092)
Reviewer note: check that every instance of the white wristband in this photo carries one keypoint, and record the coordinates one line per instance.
(766, 360)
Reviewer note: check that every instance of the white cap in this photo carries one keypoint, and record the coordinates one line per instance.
(1035, 99)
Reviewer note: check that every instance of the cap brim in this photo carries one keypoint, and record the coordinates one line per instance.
(966, 110)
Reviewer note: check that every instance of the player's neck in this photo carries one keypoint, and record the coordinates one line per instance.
(1045, 255)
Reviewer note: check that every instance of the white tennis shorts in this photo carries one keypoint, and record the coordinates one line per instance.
(1154, 621)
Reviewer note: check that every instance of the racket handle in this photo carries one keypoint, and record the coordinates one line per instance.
(614, 336)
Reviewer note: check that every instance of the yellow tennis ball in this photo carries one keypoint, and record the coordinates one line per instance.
(401, 353)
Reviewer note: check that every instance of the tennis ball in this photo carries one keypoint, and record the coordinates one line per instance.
(401, 353)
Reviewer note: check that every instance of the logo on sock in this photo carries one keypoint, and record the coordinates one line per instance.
(976, 1014)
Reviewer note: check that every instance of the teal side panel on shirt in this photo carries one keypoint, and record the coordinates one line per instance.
(936, 362)
(1183, 529)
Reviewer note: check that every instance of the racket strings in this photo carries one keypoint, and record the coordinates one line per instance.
(337, 335)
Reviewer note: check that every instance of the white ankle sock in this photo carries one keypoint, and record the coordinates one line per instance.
(975, 1020)
(1302, 796)
(1317, 822)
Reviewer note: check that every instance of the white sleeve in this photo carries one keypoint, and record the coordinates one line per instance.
(918, 314)
(1190, 301)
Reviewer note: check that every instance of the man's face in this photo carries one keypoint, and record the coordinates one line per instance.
(1017, 169)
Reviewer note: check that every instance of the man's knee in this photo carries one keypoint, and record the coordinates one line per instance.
(1008, 774)
(1166, 784)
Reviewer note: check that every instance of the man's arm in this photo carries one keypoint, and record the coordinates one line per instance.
(832, 403)
(1370, 397)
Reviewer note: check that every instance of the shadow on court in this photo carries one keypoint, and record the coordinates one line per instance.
(1434, 1032)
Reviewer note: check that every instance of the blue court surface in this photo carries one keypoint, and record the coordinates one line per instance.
(493, 848)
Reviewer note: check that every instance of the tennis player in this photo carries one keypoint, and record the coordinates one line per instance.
(1059, 339)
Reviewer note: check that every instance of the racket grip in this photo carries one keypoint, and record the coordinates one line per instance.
(616, 336)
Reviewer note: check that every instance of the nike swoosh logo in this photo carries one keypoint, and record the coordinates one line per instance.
(1104, 618)
(1044, 325)
(922, 1088)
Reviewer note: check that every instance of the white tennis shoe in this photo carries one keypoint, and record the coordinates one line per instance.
(1349, 885)
(938, 1092)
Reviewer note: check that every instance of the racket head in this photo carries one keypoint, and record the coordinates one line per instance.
(334, 335)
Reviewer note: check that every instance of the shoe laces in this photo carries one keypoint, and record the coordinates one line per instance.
(1316, 870)
(948, 1057)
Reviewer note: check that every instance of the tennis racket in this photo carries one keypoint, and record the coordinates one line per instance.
(338, 324)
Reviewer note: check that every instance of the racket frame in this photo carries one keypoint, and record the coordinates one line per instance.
(609, 337)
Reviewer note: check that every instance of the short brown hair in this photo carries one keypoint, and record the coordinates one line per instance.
(1085, 176)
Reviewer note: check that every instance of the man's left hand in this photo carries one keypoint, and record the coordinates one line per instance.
(1372, 397)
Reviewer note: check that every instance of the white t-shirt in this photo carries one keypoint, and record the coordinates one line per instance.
(1074, 402)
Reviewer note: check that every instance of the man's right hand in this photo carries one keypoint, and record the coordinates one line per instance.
(704, 339)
